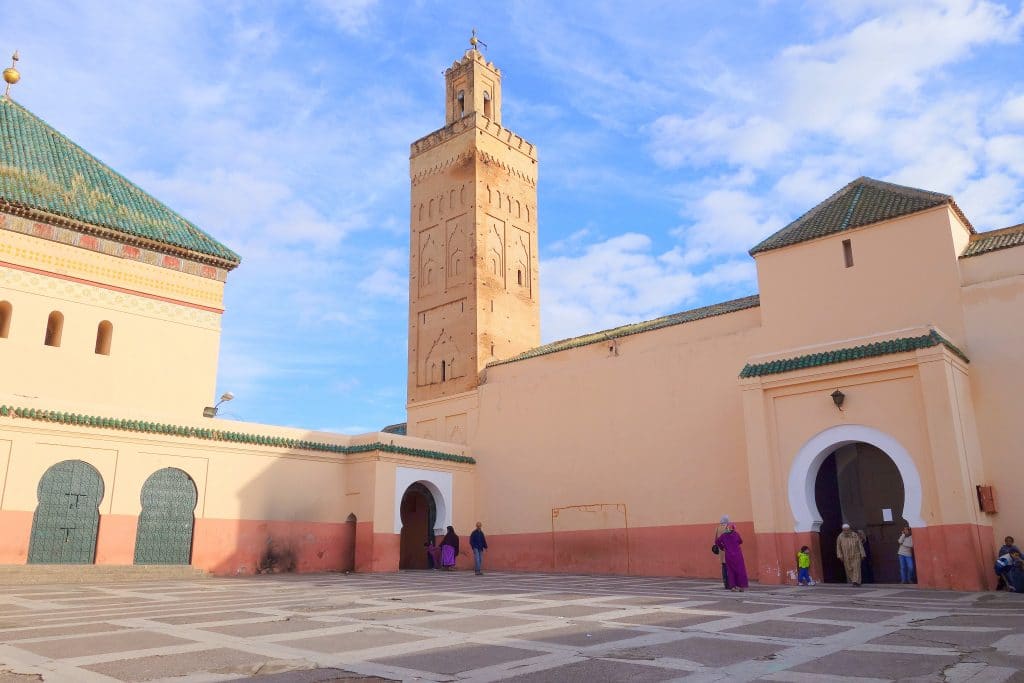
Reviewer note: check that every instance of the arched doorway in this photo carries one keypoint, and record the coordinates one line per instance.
(858, 484)
(419, 514)
(815, 485)
(348, 557)
(164, 533)
(67, 518)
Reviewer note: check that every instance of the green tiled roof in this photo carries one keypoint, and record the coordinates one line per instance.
(202, 433)
(41, 169)
(636, 328)
(882, 348)
(862, 202)
(995, 240)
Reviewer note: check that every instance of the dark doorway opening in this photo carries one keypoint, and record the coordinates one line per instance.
(860, 485)
(348, 558)
(419, 513)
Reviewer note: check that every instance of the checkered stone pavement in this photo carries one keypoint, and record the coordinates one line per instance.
(434, 626)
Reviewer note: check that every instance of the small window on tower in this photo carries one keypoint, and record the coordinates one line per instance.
(487, 104)
(519, 277)
(444, 371)
(848, 253)
(461, 102)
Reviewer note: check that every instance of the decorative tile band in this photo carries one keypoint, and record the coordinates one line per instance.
(220, 434)
(881, 348)
(65, 235)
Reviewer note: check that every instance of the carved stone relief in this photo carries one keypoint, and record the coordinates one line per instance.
(440, 357)
(494, 253)
(519, 261)
(457, 246)
(430, 272)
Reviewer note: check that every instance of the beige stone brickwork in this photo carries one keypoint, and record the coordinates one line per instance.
(473, 286)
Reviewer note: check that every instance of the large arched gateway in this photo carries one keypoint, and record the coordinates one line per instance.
(860, 485)
(861, 476)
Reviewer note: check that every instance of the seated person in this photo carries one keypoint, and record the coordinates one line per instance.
(1004, 562)
(1015, 574)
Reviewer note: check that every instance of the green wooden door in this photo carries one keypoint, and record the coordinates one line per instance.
(67, 517)
(165, 524)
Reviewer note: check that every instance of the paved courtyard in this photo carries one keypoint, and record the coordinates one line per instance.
(524, 627)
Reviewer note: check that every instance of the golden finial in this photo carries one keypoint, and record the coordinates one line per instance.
(474, 41)
(11, 75)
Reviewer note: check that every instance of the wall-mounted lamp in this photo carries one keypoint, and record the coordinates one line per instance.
(211, 411)
(838, 397)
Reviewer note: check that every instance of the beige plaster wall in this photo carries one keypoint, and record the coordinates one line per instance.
(163, 355)
(234, 481)
(905, 274)
(993, 298)
(657, 426)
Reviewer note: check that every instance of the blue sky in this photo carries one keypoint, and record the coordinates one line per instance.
(672, 137)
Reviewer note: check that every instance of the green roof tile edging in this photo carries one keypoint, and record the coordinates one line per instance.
(987, 242)
(872, 350)
(220, 435)
(692, 315)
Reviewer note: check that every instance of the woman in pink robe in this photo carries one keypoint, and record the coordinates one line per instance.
(729, 541)
(449, 549)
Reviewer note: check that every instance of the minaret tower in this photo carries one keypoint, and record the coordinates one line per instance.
(473, 272)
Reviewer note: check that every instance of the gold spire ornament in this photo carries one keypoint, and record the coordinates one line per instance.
(11, 75)
(474, 41)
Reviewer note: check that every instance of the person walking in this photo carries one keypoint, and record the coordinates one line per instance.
(736, 569)
(478, 542)
(850, 550)
(449, 549)
(906, 555)
(723, 526)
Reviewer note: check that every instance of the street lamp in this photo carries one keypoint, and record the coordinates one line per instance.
(211, 411)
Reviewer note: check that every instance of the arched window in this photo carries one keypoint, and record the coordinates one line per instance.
(54, 328)
(519, 277)
(104, 333)
(461, 101)
(487, 104)
(5, 319)
(444, 371)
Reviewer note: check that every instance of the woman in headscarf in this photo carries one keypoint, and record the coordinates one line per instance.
(449, 549)
(736, 569)
(723, 526)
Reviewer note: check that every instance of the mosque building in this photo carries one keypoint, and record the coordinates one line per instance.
(871, 380)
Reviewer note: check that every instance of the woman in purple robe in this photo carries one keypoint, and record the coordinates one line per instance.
(449, 549)
(729, 541)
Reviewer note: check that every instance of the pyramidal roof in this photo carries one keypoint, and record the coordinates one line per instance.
(42, 170)
(862, 202)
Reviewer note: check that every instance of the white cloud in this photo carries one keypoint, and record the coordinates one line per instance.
(351, 16)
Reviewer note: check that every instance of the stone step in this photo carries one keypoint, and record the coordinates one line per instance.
(23, 574)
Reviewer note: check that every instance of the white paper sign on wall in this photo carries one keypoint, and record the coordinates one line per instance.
(886, 514)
